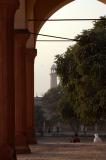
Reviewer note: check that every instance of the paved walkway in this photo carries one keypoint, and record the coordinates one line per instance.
(63, 150)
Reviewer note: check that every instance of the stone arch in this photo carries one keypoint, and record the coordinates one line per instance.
(42, 9)
(48, 9)
(30, 9)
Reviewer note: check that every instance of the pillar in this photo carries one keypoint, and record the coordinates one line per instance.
(30, 55)
(21, 37)
(7, 106)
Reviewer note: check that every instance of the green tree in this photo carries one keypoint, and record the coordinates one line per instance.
(67, 113)
(82, 72)
(39, 117)
(50, 102)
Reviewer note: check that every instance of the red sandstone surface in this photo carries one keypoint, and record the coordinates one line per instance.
(52, 149)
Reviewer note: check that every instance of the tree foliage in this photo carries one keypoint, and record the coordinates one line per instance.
(39, 117)
(50, 103)
(82, 72)
(67, 113)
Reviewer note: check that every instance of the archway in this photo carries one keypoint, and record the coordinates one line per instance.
(42, 9)
(47, 10)
(46, 53)
(54, 28)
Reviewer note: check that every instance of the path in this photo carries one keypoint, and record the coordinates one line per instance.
(60, 150)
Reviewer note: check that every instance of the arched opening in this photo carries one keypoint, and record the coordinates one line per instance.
(85, 24)
(59, 31)
(7, 12)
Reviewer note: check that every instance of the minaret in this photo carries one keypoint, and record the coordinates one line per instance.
(53, 77)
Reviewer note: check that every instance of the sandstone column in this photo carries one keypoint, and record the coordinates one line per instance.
(30, 55)
(7, 106)
(21, 37)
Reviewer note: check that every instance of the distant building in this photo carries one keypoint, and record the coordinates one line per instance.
(53, 77)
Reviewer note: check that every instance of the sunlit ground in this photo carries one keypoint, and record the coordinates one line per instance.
(61, 149)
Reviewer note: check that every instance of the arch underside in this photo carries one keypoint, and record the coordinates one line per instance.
(37, 9)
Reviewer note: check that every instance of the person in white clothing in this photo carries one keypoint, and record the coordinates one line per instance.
(97, 139)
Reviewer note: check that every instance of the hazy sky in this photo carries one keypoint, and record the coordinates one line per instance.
(48, 50)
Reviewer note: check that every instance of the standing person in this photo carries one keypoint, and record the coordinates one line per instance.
(97, 139)
(54, 130)
(57, 130)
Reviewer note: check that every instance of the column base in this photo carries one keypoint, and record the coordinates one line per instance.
(31, 137)
(32, 140)
(7, 152)
(22, 145)
(23, 150)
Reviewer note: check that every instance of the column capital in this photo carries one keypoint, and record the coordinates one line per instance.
(31, 53)
(21, 36)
